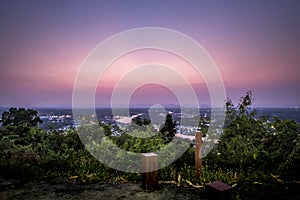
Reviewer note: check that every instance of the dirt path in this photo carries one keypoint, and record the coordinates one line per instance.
(107, 191)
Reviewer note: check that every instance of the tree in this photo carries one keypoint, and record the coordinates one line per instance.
(18, 116)
(138, 121)
(107, 128)
(169, 129)
(141, 122)
(240, 147)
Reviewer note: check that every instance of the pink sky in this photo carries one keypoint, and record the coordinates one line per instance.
(128, 63)
(43, 44)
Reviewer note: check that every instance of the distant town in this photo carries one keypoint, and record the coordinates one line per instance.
(61, 119)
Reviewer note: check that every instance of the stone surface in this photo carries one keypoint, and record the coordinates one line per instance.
(220, 186)
(218, 190)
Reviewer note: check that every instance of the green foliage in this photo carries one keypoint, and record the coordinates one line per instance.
(106, 128)
(168, 131)
(252, 146)
(203, 125)
(18, 116)
(139, 141)
(253, 155)
(138, 121)
(139, 124)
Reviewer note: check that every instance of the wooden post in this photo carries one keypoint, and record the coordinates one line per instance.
(150, 173)
(198, 154)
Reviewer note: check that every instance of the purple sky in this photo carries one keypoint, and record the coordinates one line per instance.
(255, 44)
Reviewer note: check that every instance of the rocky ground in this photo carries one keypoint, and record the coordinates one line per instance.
(108, 191)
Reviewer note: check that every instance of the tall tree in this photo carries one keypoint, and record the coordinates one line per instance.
(169, 128)
(18, 116)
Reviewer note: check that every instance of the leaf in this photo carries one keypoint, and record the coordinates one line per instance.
(191, 184)
(179, 178)
(276, 178)
(255, 156)
(298, 182)
(89, 175)
(122, 180)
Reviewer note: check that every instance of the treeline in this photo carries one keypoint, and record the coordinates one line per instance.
(256, 156)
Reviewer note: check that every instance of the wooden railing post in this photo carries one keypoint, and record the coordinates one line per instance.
(150, 171)
(198, 154)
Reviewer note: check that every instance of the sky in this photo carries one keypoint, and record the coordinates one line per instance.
(254, 44)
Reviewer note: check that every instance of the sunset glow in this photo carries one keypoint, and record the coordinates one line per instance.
(255, 46)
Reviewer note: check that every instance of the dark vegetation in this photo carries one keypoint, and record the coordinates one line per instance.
(259, 158)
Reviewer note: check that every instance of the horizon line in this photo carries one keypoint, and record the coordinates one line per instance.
(137, 106)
